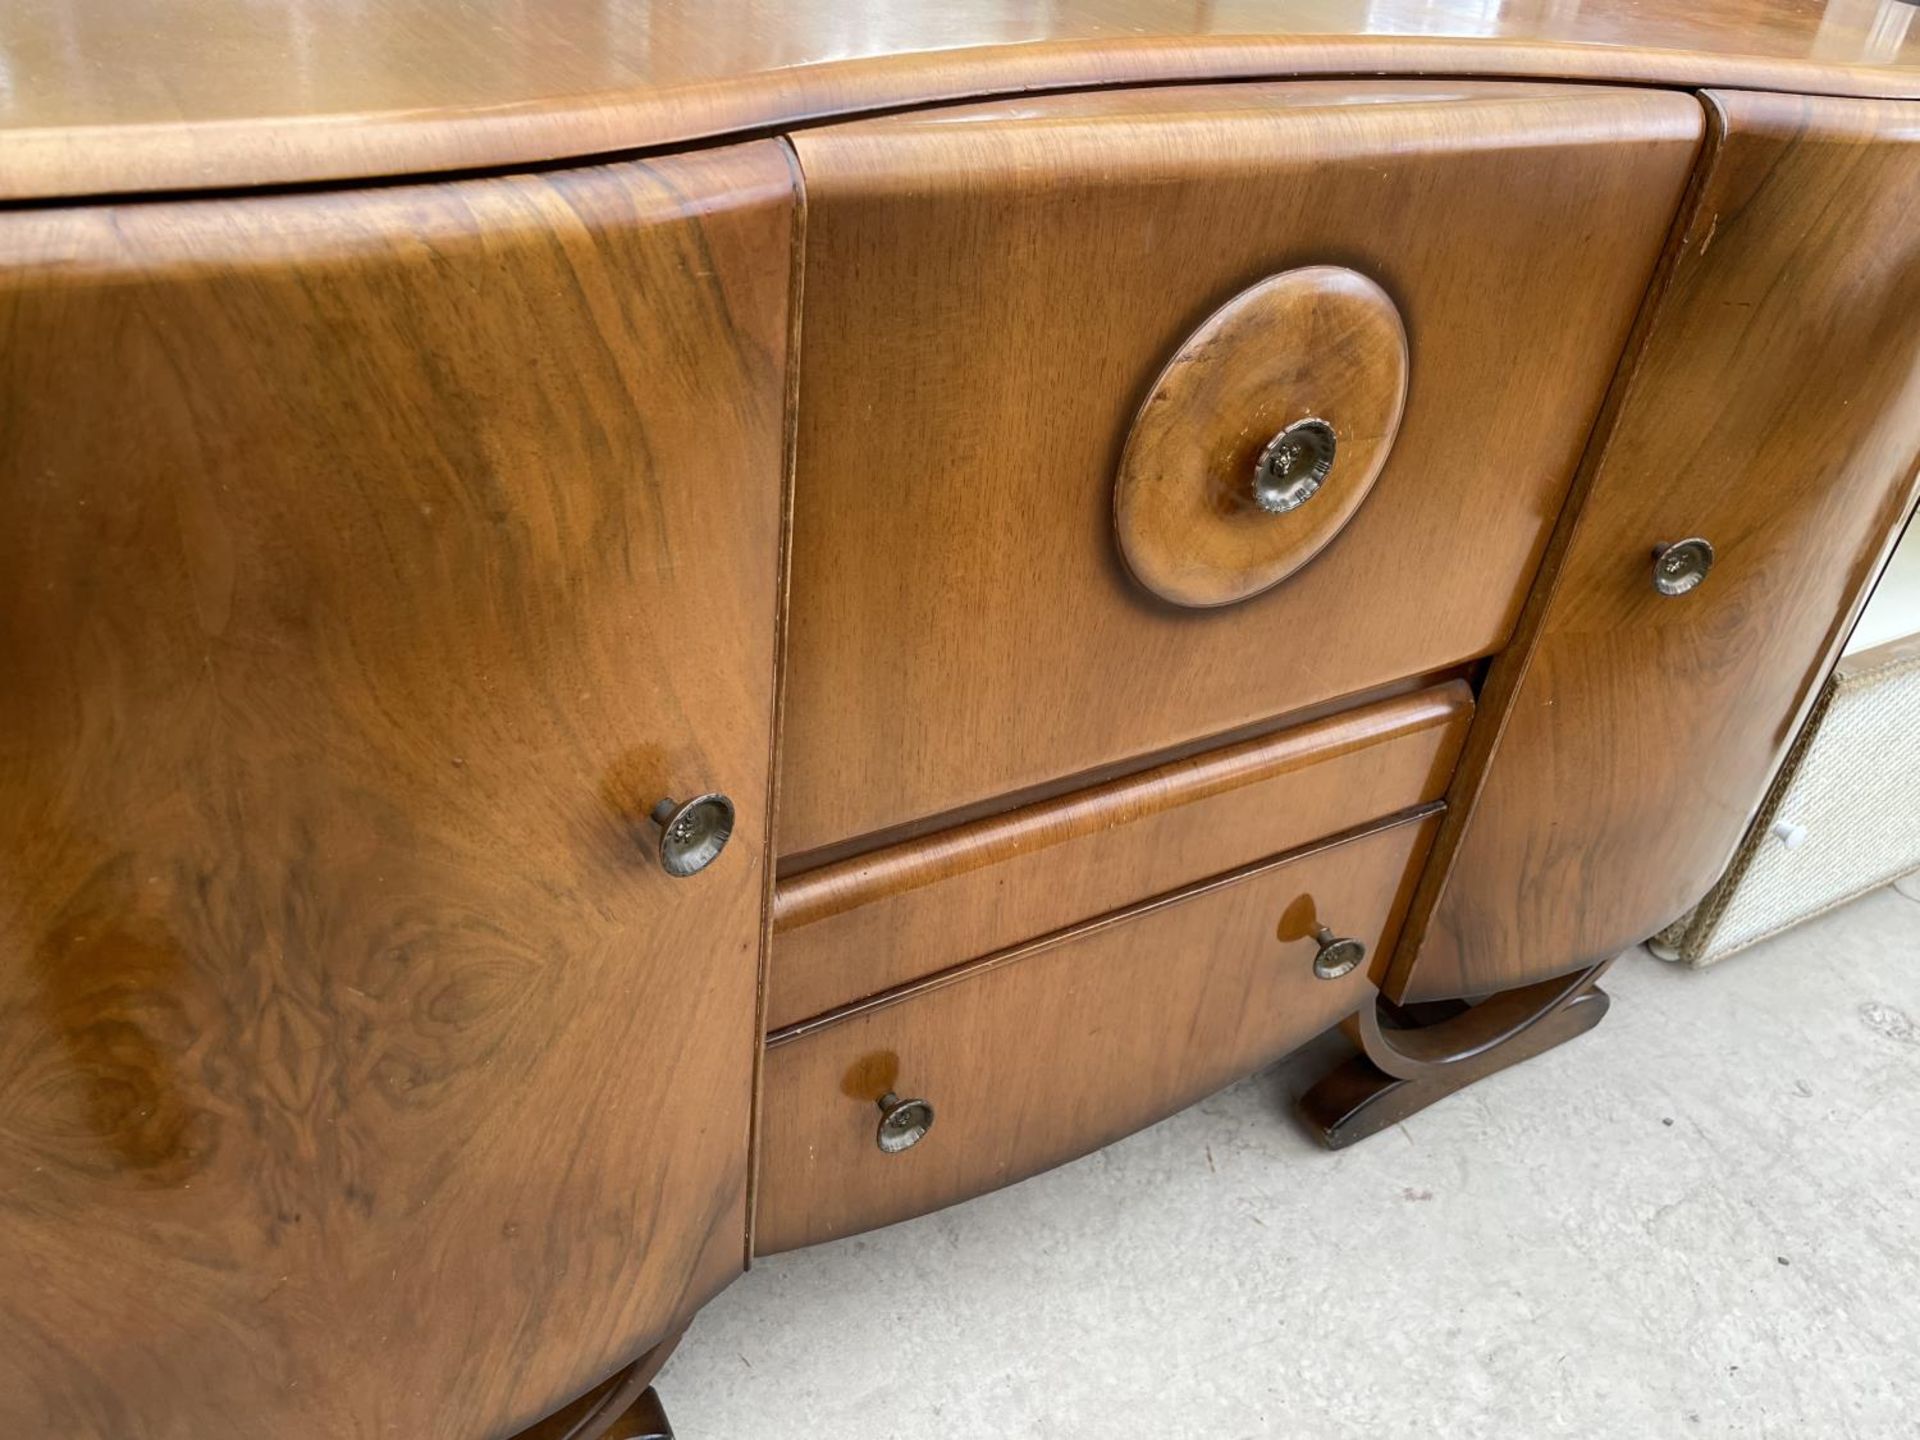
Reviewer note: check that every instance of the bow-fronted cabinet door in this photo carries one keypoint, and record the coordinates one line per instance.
(372, 564)
(1747, 480)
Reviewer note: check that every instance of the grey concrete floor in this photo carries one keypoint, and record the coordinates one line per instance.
(1702, 1219)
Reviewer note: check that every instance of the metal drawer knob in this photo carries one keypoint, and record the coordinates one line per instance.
(693, 835)
(1293, 466)
(1338, 954)
(903, 1123)
(1681, 566)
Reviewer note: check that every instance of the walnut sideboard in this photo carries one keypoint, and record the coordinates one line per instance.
(634, 635)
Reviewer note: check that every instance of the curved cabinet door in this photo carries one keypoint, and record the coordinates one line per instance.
(1772, 408)
(372, 562)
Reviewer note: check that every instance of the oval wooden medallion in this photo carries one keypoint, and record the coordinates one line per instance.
(1261, 437)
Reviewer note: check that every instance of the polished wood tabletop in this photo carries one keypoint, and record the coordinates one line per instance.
(119, 96)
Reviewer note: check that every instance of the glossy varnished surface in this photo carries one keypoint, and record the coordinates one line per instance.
(991, 293)
(372, 563)
(849, 930)
(116, 95)
(1043, 1054)
(1773, 407)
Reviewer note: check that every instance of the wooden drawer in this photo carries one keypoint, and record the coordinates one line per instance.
(850, 930)
(1040, 1054)
(993, 291)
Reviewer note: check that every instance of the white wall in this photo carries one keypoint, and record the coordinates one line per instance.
(1894, 611)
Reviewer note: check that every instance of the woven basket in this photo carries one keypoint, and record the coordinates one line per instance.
(1842, 817)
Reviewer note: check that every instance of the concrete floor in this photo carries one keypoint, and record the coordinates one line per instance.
(1702, 1219)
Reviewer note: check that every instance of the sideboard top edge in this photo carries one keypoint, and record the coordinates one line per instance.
(221, 100)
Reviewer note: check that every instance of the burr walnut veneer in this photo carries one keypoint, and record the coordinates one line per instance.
(637, 634)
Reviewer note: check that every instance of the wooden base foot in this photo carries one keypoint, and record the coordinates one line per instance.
(623, 1407)
(645, 1419)
(1408, 1060)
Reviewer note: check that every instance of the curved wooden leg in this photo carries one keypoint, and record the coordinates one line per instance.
(1411, 1058)
(645, 1419)
(622, 1407)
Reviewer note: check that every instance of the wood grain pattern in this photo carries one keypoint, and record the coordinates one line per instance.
(1048, 1052)
(374, 561)
(1320, 343)
(991, 293)
(855, 928)
(623, 1407)
(105, 96)
(1773, 407)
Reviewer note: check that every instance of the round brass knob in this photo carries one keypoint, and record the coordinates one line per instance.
(903, 1123)
(1338, 954)
(693, 835)
(1293, 466)
(1681, 566)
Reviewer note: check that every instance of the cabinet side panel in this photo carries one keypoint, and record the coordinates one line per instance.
(370, 564)
(1774, 409)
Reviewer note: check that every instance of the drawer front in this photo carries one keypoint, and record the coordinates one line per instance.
(992, 296)
(1043, 1054)
(853, 929)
